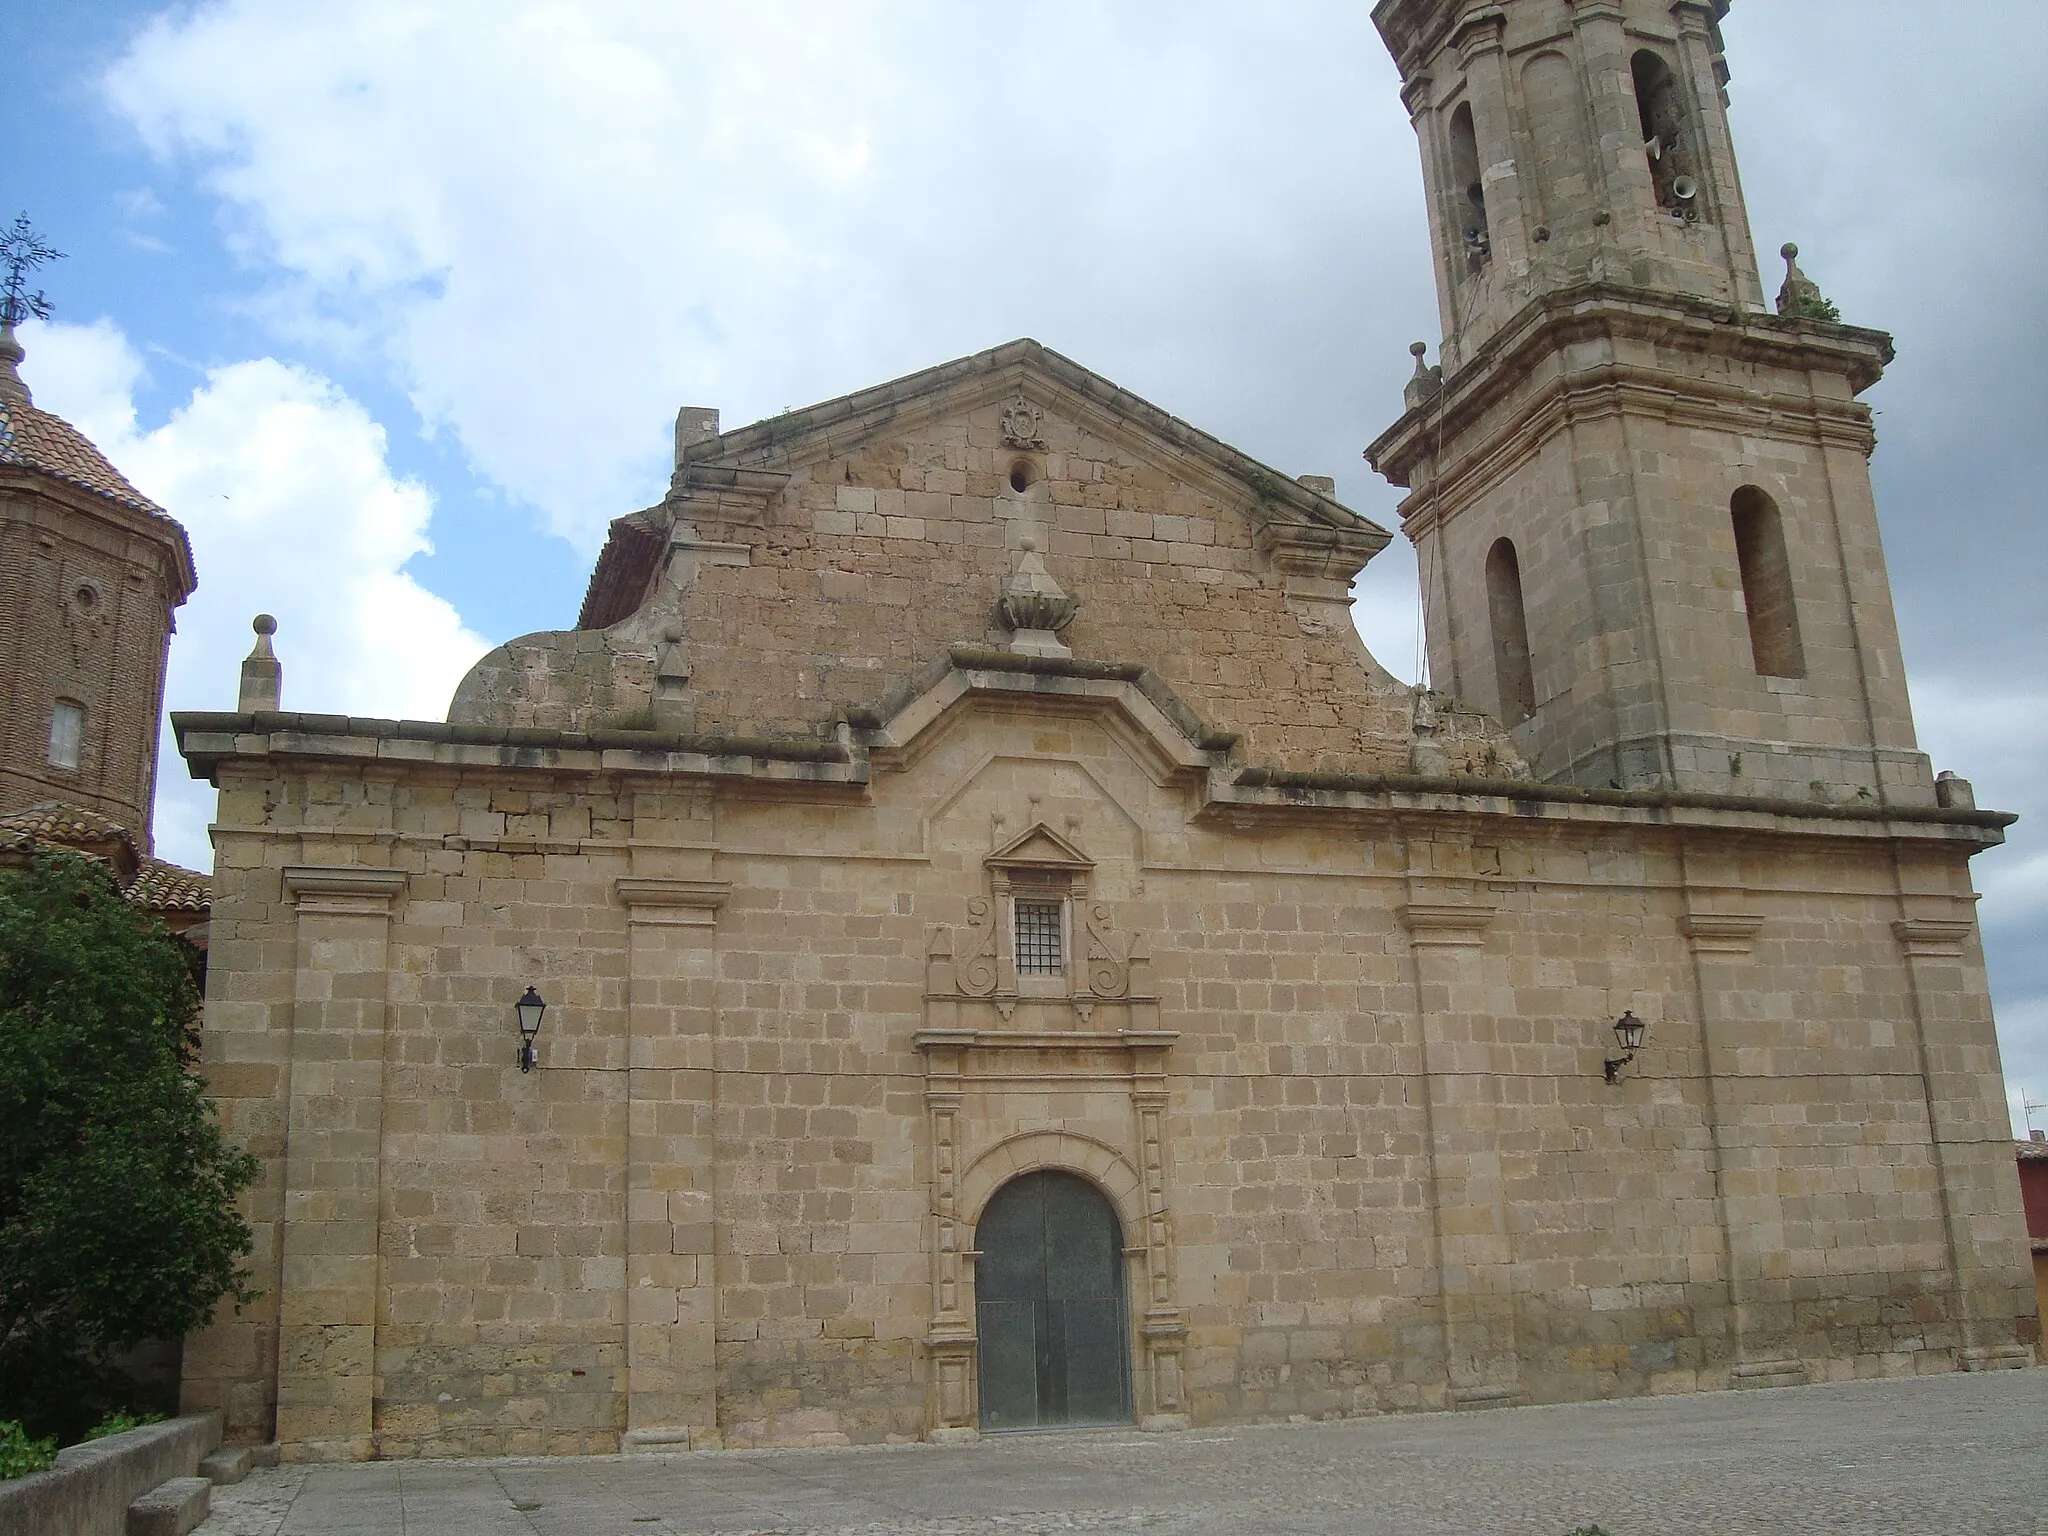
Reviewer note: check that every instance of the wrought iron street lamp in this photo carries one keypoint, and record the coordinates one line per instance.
(529, 1010)
(1629, 1030)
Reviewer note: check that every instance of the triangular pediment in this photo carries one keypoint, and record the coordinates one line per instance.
(1039, 847)
(734, 477)
(1043, 380)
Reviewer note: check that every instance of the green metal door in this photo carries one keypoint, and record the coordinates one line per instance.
(1049, 1306)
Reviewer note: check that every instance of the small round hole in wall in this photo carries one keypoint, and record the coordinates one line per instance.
(1020, 476)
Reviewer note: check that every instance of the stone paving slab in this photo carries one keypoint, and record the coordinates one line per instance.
(1961, 1454)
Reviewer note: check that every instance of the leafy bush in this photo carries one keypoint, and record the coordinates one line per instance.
(118, 1221)
(119, 1420)
(1812, 307)
(20, 1455)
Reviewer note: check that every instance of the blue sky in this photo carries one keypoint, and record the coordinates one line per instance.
(393, 303)
(160, 254)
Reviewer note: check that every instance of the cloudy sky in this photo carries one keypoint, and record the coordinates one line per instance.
(393, 302)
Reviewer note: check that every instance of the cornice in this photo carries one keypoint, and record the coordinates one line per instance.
(723, 493)
(664, 891)
(1620, 389)
(344, 890)
(1455, 925)
(1721, 933)
(1154, 722)
(1256, 793)
(1314, 550)
(1552, 322)
(1935, 938)
(1415, 31)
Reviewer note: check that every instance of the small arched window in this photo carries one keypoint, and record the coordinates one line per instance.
(1511, 670)
(67, 733)
(1468, 190)
(1661, 111)
(1766, 584)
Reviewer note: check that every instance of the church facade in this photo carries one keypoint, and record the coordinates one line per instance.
(1011, 957)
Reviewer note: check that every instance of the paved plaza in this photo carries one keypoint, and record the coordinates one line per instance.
(1946, 1454)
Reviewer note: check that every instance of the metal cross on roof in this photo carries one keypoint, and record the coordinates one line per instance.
(22, 250)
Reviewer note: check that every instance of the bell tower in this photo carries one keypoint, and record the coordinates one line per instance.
(91, 573)
(1640, 498)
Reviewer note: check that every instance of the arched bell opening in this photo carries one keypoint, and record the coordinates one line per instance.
(1052, 1314)
(1766, 569)
(1667, 146)
(1514, 677)
(1475, 237)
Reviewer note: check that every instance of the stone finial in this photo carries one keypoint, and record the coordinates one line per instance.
(671, 706)
(262, 673)
(1800, 298)
(1427, 755)
(12, 388)
(1034, 607)
(1426, 381)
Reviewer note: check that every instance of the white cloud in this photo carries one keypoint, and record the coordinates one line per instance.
(280, 480)
(562, 221)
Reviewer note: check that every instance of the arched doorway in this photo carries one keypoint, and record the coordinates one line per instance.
(1050, 1319)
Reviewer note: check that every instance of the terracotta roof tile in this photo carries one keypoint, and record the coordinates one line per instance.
(156, 885)
(2032, 1151)
(631, 555)
(37, 440)
(159, 886)
(60, 823)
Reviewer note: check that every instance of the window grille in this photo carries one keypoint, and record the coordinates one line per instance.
(1039, 938)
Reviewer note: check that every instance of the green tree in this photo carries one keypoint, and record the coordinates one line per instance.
(118, 1221)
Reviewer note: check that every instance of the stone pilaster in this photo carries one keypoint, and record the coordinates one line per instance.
(1722, 943)
(1475, 1251)
(1479, 39)
(671, 1154)
(1967, 1131)
(1165, 1327)
(328, 1277)
(1621, 173)
(954, 1411)
(1695, 20)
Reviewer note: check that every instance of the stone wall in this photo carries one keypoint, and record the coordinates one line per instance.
(89, 1490)
(836, 595)
(1346, 1092)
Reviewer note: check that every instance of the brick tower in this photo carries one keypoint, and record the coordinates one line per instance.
(90, 572)
(1641, 500)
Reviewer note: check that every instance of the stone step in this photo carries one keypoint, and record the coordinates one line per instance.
(172, 1508)
(229, 1464)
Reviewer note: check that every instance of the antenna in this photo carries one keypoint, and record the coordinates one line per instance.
(2028, 1106)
